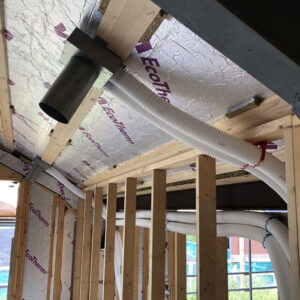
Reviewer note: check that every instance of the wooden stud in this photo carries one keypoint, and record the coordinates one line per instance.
(180, 266)
(59, 246)
(78, 250)
(206, 227)
(17, 244)
(109, 274)
(129, 239)
(5, 101)
(9, 174)
(171, 264)
(96, 243)
(24, 241)
(51, 245)
(158, 231)
(221, 271)
(136, 263)
(292, 146)
(145, 264)
(86, 248)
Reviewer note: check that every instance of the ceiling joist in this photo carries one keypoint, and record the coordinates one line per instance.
(5, 101)
(122, 25)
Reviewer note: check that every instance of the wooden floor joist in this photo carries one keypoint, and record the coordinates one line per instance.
(78, 250)
(129, 240)
(5, 101)
(292, 145)
(59, 248)
(158, 236)
(264, 122)
(206, 227)
(180, 266)
(86, 247)
(96, 242)
(109, 276)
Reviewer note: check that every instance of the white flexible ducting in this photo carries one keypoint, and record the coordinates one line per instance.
(273, 225)
(194, 143)
(280, 263)
(275, 244)
(74, 189)
(202, 132)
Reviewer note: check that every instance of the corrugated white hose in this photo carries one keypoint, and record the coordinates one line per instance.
(267, 222)
(70, 186)
(279, 262)
(163, 125)
(193, 127)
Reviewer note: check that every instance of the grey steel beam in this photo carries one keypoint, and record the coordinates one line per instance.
(262, 37)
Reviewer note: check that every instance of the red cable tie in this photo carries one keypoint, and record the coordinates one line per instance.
(262, 157)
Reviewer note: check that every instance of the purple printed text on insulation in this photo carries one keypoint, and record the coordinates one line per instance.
(10, 82)
(80, 173)
(26, 168)
(62, 191)
(38, 214)
(60, 29)
(89, 165)
(162, 88)
(34, 261)
(111, 114)
(91, 139)
(8, 35)
(46, 119)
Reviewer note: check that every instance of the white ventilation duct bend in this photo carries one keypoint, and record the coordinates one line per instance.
(189, 140)
(279, 262)
(210, 140)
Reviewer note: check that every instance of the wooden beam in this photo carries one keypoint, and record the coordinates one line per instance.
(180, 266)
(63, 132)
(175, 153)
(59, 247)
(17, 244)
(51, 245)
(206, 227)
(96, 242)
(171, 264)
(86, 247)
(109, 274)
(24, 241)
(5, 100)
(221, 270)
(9, 174)
(129, 240)
(292, 145)
(145, 264)
(124, 23)
(158, 236)
(136, 263)
(78, 250)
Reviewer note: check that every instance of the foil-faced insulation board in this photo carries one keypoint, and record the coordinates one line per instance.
(196, 78)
